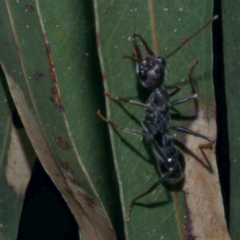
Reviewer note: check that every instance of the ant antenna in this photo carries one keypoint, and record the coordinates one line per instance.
(189, 38)
(132, 58)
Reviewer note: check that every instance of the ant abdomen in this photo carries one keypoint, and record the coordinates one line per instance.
(175, 165)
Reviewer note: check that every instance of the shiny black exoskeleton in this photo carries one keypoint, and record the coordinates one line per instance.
(152, 75)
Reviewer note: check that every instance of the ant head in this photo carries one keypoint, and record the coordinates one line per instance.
(175, 165)
(151, 70)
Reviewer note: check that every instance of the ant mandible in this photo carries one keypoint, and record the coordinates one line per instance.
(152, 74)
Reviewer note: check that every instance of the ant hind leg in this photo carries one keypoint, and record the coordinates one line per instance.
(116, 98)
(207, 145)
(192, 79)
(188, 131)
(127, 218)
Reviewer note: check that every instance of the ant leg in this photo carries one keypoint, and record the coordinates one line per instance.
(127, 218)
(180, 101)
(139, 104)
(153, 143)
(194, 85)
(188, 131)
(131, 131)
(158, 150)
(176, 90)
(193, 80)
(207, 145)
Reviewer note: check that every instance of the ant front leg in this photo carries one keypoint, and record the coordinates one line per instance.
(177, 88)
(131, 131)
(139, 104)
(175, 91)
(194, 85)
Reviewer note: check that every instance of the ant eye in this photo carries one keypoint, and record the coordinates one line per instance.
(162, 61)
(143, 74)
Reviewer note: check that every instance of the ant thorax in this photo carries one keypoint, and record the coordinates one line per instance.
(159, 100)
(159, 118)
(152, 72)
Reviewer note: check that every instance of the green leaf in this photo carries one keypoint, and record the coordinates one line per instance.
(51, 67)
(50, 61)
(231, 48)
(17, 158)
(163, 214)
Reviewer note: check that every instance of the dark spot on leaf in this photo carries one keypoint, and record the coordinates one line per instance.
(54, 90)
(67, 167)
(56, 99)
(30, 8)
(104, 78)
(38, 75)
(89, 200)
(188, 224)
(62, 143)
(98, 41)
(185, 41)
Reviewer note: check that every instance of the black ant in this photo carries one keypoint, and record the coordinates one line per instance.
(152, 74)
